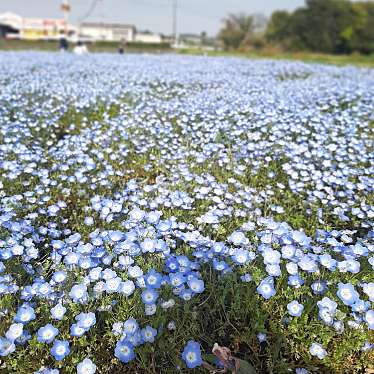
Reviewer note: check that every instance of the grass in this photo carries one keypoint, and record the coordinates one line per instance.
(110, 47)
(341, 60)
(100, 47)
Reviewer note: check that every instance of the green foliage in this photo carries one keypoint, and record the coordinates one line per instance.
(328, 26)
(278, 29)
(237, 30)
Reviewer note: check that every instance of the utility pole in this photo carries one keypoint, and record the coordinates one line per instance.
(65, 7)
(175, 20)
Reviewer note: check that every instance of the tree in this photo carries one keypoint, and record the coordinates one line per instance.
(329, 26)
(362, 36)
(237, 30)
(327, 20)
(278, 29)
(259, 23)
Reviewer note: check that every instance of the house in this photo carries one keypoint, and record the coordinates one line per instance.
(148, 37)
(114, 32)
(17, 27)
(9, 23)
(13, 26)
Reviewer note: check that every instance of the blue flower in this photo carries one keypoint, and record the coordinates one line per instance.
(149, 296)
(113, 284)
(347, 293)
(319, 287)
(135, 339)
(246, 278)
(60, 349)
(86, 320)
(86, 367)
(301, 371)
(360, 306)
(6, 347)
(172, 264)
(300, 238)
(76, 330)
(295, 281)
(328, 304)
(271, 257)
(44, 370)
(295, 308)
(127, 288)
(266, 288)
(185, 294)
(47, 333)
(58, 312)
(149, 334)
(15, 330)
(89, 221)
(317, 349)
(192, 355)
(274, 270)
(78, 293)
(176, 279)
(25, 314)
(368, 289)
(130, 326)
(369, 319)
(148, 245)
(367, 346)
(59, 276)
(124, 351)
(153, 279)
(237, 238)
(196, 285)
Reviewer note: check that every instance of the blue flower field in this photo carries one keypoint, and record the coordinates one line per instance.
(154, 205)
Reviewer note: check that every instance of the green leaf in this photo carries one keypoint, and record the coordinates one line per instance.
(210, 358)
(246, 368)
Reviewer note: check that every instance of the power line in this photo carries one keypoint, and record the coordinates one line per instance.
(175, 20)
(90, 10)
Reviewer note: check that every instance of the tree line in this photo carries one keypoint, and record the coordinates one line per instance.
(328, 26)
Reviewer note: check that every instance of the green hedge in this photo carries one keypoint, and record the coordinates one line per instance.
(52, 45)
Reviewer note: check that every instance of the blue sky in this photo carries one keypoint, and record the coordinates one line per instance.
(155, 15)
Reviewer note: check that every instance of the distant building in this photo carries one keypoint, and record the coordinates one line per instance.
(169, 39)
(114, 32)
(9, 23)
(148, 37)
(17, 27)
(13, 26)
(190, 39)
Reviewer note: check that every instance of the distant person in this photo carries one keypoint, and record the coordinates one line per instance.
(63, 44)
(122, 47)
(80, 49)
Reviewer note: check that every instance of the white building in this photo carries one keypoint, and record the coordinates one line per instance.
(113, 32)
(147, 37)
(15, 26)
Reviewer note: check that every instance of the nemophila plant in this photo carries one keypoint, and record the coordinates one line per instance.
(152, 206)
(192, 354)
(86, 367)
(60, 349)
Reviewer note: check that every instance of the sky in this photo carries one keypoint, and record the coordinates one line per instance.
(193, 16)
